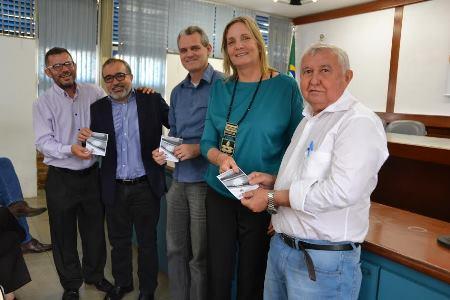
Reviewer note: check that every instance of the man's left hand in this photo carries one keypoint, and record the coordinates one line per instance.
(255, 200)
(187, 151)
(145, 90)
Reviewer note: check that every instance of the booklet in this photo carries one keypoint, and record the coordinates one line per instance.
(97, 143)
(236, 183)
(167, 145)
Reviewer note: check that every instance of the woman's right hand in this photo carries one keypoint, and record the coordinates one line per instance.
(226, 162)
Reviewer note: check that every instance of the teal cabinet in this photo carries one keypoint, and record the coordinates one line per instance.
(395, 286)
(385, 279)
(369, 284)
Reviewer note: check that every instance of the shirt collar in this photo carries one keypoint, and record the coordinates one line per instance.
(207, 76)
(131, 98)
(345, 102)
(58, 90)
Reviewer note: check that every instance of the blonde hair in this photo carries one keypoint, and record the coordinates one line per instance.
(254, 30)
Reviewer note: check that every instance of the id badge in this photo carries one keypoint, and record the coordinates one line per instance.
(230, 130)
(227, 145)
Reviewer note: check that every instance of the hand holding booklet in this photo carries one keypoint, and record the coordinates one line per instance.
(236, 183)
(97, 143)
(167, 145)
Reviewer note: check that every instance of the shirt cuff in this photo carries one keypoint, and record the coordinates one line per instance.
(204, 149)
(298, 192)
(66, 149)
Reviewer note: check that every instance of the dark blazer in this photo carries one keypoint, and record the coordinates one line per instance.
(152, 115)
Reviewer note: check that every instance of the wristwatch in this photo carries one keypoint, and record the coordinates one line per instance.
(271, 208)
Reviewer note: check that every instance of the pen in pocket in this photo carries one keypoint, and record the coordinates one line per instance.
(310, 148)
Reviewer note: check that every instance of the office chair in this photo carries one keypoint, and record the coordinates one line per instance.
(407, 127)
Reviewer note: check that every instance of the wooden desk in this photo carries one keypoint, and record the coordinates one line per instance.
(416, 176)
(409, 239)
(422, 148)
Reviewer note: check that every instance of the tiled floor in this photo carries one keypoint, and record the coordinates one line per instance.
(45, 282)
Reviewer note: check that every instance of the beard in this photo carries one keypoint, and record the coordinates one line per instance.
(120, 95)
(62, 81)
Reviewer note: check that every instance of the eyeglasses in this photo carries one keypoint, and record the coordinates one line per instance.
(59, 67)
(117, 76)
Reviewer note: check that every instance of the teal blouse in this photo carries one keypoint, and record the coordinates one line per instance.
(265, 133)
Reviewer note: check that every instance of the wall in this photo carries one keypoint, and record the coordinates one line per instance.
(423, 61)
(18, 83)
(367, 40)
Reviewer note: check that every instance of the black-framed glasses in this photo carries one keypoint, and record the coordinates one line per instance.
(117, 76)
(59, 67)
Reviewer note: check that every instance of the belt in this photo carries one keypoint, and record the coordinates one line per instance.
(302, 246)
(77, 172)
(132, 181)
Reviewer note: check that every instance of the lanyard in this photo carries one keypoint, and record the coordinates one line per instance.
(249, 105)
(228, 141)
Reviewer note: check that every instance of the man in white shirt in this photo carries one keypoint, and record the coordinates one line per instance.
(321, 196)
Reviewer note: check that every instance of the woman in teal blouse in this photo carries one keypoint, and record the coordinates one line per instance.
(251, 117)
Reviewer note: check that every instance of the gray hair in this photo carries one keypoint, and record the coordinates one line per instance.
(191, 30)
(340, 53)
(114, 60)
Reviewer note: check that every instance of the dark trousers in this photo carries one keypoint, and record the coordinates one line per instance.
(229, 223)
(134, 205)
(74, 197)
(13, 270)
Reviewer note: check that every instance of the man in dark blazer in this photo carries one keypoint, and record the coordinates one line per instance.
(131, 182)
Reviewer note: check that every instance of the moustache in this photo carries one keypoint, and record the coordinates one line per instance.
(65, 74)
(119, 85)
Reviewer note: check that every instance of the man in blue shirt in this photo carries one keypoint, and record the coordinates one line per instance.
(186, 214)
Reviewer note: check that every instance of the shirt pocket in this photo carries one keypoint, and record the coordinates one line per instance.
(317, 165)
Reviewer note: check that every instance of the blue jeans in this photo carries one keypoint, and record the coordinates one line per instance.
(10, 191)
(338, 273)
(186, 240)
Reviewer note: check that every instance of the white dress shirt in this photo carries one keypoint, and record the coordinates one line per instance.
(330, 169)
(57, 119)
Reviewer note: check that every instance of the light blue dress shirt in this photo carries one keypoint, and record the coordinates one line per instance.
(188, 104)
(128, 143)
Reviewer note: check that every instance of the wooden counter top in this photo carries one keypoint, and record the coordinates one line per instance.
(409, 239)
(422, 148)
(415, 140)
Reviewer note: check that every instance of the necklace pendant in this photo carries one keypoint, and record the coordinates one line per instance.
(227, 145)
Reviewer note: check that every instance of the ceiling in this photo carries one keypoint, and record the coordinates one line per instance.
(290, 11)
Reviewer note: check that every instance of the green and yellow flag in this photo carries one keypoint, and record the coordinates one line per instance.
(291, 69)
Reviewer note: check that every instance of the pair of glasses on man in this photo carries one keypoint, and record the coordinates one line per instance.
(117, 76)
(59, 67)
